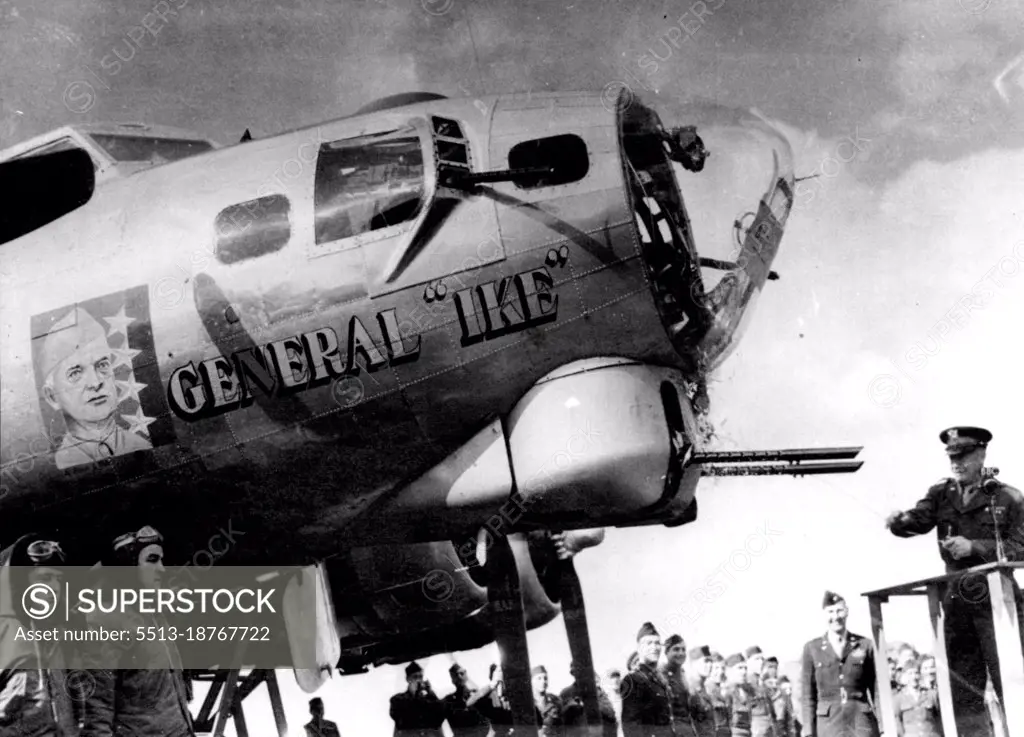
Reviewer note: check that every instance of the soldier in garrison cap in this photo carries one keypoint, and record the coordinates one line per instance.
(646, 698)
(549, 706)
(78, 381)
(840, 692)
(672, 670)
(417, 711)
(761, 713)
(785, 715)
(738, 695)
(702, 706)
(979, 520)
(716, 688)
(573, 716)
(460, 709)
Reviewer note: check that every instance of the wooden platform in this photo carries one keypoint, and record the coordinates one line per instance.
(1004, 614)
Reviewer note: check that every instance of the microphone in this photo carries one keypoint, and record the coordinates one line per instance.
(989, 486)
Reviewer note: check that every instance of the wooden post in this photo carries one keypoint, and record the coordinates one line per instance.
(938, 617)
(881, 667)
(1008, 645)
(227, 700)
(276, 704)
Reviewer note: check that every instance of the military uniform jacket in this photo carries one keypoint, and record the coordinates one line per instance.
(917, 714)
(837, 689)
(740, 698)
(417, 716)
(943, 508)
(679, 695)
(646, 704)
(722, 712)
(465, 721)
(761, 712)
(702, 708)
(549, 709)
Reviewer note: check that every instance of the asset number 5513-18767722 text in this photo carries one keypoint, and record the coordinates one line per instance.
(203, 634)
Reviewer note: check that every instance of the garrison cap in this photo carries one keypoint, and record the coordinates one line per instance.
(717, 657)
(753, 650)
(699, 653)
(412, 669)
(537, 670)
(831, 598)
(673, 640)
(646, 630)
(734, 659)
(771, 661)
(75, 331)
(960, 440)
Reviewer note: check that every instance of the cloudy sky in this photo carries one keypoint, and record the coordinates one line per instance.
(899, 308)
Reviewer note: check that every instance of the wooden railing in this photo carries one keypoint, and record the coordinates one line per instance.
(1008, 643)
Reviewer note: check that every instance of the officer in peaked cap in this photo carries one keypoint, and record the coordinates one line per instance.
(840, 693)
(646, 696)
(979, 520)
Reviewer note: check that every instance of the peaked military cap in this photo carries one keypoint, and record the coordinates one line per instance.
(646, 630)
(753, 650)
(412, 668)
(734, 659)
(699, 653)
(831, 598)
(672, 641)
(960, 440)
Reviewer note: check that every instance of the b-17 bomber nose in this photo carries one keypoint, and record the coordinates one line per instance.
(711, 189)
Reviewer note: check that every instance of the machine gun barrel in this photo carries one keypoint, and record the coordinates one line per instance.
(792, 462)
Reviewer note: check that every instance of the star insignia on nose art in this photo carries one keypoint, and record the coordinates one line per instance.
(138, 422)
(118, 323)
(124, 356)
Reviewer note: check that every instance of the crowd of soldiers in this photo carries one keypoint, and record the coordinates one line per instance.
(686, 694)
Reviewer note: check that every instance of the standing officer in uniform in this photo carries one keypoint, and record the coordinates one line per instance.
(762, 714)
(702, 706)
(416, 711)
(974, 513)
(672, 670)
(839, 679)
(646, 698)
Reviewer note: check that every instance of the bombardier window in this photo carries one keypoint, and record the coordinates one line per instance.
(253, 228)
(368, 183)
(566, 155)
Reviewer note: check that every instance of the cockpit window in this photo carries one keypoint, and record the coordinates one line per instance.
(149, 150)
(368, 183)
(61, 144)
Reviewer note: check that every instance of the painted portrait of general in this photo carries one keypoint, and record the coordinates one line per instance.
(99, 389)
